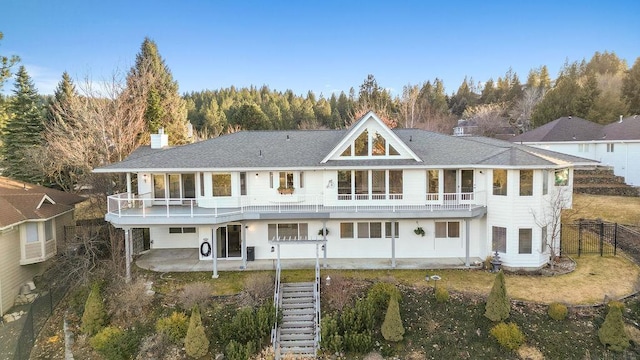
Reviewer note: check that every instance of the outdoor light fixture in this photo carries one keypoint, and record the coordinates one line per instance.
(273, 249)
(327, 281)
(145, 177)
(322, 247)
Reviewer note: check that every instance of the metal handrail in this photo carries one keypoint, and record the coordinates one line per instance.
(276, 304)
(316, 293)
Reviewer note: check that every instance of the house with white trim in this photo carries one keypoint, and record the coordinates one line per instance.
(616, 145)
(32, 221)
(367, 192)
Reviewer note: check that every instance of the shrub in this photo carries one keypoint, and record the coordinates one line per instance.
(174, 327)
(94, 316)
(358, 342)
(612, 333)
(196, 293)
(359, 318)
(557, 311)
(378, 296)
(340, 293)
(258, 287)
(116, 344)
(498, 305)
(128, 301)
(196, 343)
(508, 335)
(236, 351)
(106, 337)
(442, 295)
(392, 329)
(331, 339)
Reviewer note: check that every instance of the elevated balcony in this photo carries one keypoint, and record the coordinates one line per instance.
(127, 209)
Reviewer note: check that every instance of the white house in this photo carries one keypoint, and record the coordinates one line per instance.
(381, 193)
(616, 145)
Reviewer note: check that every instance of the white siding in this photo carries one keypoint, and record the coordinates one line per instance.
(161, 239)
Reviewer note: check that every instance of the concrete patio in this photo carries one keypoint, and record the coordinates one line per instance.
(184, 260)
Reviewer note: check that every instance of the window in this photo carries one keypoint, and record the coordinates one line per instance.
(221, 184)
(158, 186)
(189, 186)
(499, 182)
(362, 182)
(346, 230)
(447, 229)
(543, 239)
(562, 177)
(395, 183)
(466, 177)
(378, 186)
(526, 182)
(202, 184)
(301, 184)
(271, 180)
(243, 183)
(286, 180)
(545, 182)
(347, 151)
(388, 232)
(361, 144)
(180, 230)
(288, 231)
(433, 184)
(174, 186)
(524, 241)
(368, 230)
(499, 239)
(610, 147)
(48, 230)
(379, 145)
(344, 183)
(32, 232)
(583, 147)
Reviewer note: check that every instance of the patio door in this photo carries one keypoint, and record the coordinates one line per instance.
(229, 241)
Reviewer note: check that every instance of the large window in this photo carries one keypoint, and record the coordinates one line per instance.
(379, 145)
(356, 184)
(524, 241)
(243, 183)
(288, 231)
(395, 183)
(32, 232)
(346, 230)
(362, 183)
(499, 182)
(447, 229)
(361, 144)
(466, 178)
(562, 177)
(499, 239)
(368, 230)
(378, 186)
(433, 184)
(221, 184)
(344, 182)
(158, 186)
(526, 182)
(286, 180)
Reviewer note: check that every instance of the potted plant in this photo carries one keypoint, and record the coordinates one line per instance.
(286, 190)
(419, 231)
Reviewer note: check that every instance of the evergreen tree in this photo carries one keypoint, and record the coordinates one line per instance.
(392, 328)
(94, 315)
(165, 108)
(59, 107)
(631, 88)
(6, 62)
(196, 343)
(612, 332)
(498, 305)
(23, 131)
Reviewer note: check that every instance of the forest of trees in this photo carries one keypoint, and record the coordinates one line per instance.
(57, 140)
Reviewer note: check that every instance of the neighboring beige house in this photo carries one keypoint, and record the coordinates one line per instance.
(32, 221)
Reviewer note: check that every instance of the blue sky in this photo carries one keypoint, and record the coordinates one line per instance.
(324, 46)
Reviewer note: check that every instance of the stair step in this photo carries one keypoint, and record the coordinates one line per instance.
(304, 351)
(286, 318)
(297, 294)
(296, 343)
(297, 330)
(299, 311)
(297, 336)
(298, 324)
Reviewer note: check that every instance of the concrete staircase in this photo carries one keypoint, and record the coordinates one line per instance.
(296, 334)
(601, 181)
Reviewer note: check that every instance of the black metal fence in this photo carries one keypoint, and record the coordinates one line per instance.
(589, 237)
(36, 317)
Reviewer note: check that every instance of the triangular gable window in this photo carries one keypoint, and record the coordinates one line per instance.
(364, 145)
(347, 151)
(393, 151)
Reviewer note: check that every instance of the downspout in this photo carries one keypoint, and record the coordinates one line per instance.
(127, 254)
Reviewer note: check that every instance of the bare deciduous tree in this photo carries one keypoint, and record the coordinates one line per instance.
(490, 118)
(550, 218)
(523, 108)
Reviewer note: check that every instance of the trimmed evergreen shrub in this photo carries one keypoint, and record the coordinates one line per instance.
(237, 351)
(508, 335)
(331, 339)
(196, 343)
(392, 329)
(498, 305)
(557, 311)
(105, 338)
(612, 333)
(378, 296)
(174, 327)
(94, 316)
(115, 344)
(358, 342)
(442, 295)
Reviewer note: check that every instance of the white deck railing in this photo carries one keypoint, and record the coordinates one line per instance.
(128, 205)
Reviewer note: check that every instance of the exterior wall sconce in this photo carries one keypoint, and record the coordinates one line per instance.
(273, 249)
(322, 247)
(327, 281)
(145, 178)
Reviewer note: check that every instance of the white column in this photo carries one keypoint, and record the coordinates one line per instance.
(243, 245)
(214, 251)
(127, 247)
(129, 186)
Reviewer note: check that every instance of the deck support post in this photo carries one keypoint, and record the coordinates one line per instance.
(127, 254)
(467, 242)
(214, 251)
(393, 243)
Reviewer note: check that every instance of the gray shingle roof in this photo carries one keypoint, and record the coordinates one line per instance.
(307, 148)
(577, 129)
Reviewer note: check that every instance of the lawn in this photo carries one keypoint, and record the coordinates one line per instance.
(620, 209)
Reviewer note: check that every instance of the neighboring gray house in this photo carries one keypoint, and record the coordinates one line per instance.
(32, 221)
(616, 145)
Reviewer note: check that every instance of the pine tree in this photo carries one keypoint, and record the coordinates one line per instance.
(59, 107)
(6, 62)
(498, 305)
(392, 328)
(165, 107)
(196, 343)
(94, 316)
(23, 131)
(612, 332)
